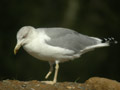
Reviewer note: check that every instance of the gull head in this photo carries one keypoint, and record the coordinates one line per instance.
(23, 36)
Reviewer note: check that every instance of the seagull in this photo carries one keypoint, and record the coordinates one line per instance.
(57, 45)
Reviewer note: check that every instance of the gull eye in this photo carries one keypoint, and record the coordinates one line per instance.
(24, 36)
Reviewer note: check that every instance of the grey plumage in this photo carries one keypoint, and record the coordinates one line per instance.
(69, 39)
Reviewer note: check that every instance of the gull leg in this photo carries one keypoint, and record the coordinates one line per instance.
(55, 75)
(50, 71)
(56, 71)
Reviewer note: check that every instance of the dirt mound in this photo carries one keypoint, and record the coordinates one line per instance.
(94, 83)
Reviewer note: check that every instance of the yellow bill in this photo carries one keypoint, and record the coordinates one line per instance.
(17, 47)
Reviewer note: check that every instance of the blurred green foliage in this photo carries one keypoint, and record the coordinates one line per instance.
(98, 18)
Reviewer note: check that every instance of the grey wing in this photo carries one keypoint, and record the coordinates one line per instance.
(69, 39)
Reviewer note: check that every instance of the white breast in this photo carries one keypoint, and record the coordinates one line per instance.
(39, 49)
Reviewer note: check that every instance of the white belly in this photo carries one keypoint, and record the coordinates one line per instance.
(43, 51)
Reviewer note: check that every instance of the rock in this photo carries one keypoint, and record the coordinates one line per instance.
(97, 83)
(94, 83)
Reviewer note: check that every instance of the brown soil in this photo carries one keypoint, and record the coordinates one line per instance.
(94, 83)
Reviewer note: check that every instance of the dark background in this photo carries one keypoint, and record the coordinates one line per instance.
(99, 18)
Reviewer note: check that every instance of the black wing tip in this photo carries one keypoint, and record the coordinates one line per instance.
(110, 40)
